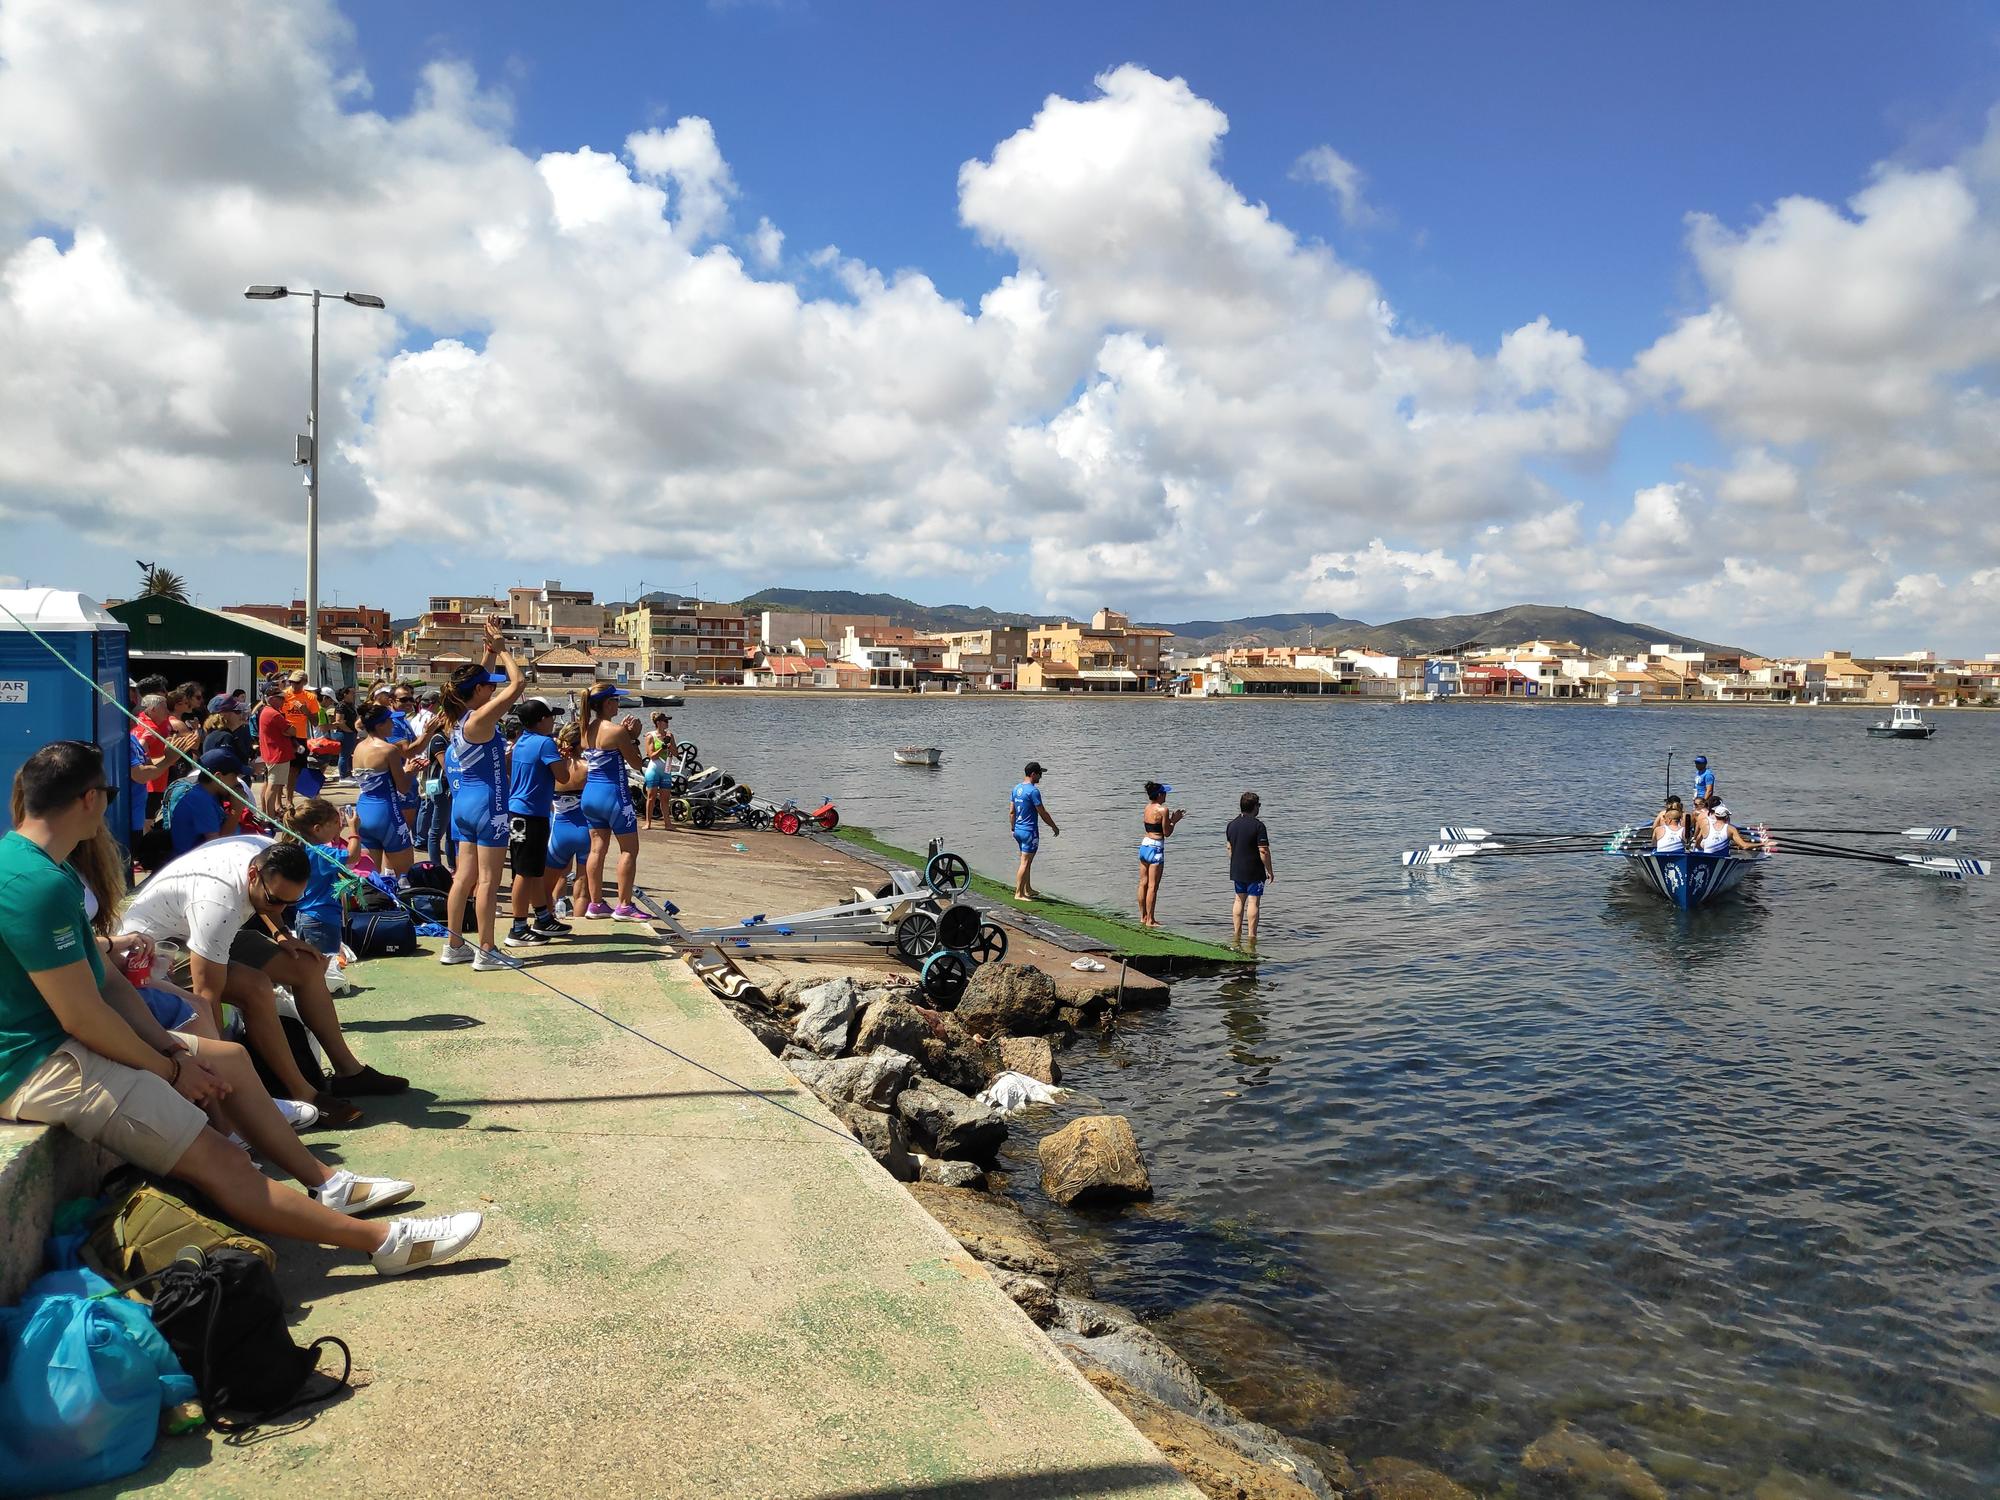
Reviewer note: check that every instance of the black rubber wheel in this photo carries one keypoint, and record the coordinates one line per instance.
(704, 814)
(944, 977)
(678, 809)
(958, 927)
(917, 936)
(947, 872)
(991, 944)
(886, 889)
(690, 757)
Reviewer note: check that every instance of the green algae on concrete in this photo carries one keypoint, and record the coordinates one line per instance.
(681, 1289)
(1126, 939)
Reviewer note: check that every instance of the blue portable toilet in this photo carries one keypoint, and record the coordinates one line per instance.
(43, 699)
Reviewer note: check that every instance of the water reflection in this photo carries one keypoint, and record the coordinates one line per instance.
(1240, 997)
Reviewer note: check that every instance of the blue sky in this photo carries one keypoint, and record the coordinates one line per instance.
(1520, 163)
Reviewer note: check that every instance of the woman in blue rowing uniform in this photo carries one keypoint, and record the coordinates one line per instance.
(382, 768)
(569, 834)
(1159, 827)
(609, 746)
(473, 708)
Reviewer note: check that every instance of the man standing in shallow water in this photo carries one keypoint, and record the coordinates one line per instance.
(1249, 867)
(1026, 815)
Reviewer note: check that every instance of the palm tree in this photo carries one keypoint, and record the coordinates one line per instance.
(156, 582)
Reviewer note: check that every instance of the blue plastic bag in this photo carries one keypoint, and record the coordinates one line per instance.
(83, 1380)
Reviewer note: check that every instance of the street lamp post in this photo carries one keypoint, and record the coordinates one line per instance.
(307, 453)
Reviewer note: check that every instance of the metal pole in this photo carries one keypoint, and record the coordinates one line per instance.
(312, 517)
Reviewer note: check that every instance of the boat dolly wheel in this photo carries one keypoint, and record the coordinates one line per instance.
(991, 944)
(787, 823)
(945, 974)
(703, 815)
(917, 936)
(947, 872)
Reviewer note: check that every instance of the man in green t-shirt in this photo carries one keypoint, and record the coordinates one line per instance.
(78, 1048)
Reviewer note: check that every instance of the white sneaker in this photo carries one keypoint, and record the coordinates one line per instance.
(416, 1243)
(461, 954)
(298, 1114)
(346, 1193)
(486, 959)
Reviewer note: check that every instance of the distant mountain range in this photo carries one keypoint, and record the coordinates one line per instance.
(1596, 633)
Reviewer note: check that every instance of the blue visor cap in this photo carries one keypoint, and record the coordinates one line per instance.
(496, 676)
(605, 690)
(1701, 760)
(1165, 790)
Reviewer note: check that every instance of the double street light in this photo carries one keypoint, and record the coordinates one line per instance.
(307, 452)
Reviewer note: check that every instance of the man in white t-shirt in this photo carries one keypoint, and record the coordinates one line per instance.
(226, 900)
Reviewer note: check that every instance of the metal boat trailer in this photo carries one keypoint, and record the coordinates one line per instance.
(915, 916)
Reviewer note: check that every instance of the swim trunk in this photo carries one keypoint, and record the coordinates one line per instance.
(474, 819)
(1249, 887)
(528, 846)
(1029, 838)
(1152, 852)
(608, 805)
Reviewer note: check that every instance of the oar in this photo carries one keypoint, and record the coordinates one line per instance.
(1438, 854)
(1454, 833)
(1928, 835)
(1951, 868)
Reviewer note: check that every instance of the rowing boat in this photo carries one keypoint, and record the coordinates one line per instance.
(1689, 878)
(918, 755)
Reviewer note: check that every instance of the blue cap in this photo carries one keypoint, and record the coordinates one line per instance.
(221, 703)
(1701, 760)
(604, 690)
(1164, 789)
(222, 762)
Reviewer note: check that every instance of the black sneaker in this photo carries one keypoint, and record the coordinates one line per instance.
(359, 1085)
(524, 937)
(547, 923)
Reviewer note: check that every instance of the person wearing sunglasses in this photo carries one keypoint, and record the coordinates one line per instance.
(226, 901)
(79, 1048)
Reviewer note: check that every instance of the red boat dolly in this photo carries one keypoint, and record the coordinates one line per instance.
(790, 818)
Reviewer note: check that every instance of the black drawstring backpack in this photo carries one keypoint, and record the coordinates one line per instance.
(222, 1315)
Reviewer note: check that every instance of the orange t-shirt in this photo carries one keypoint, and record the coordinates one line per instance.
(301, 712)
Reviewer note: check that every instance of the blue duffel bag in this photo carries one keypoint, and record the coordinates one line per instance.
(379, 934)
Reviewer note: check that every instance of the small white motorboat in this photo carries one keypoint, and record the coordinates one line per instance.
(1904, 724)
(918, 755)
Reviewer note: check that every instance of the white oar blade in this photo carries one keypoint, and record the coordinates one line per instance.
(1451, 833)
(1430, 854)
(1932, 835)
(1950, 869)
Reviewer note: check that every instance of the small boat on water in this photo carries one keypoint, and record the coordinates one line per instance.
(918, 755)
(1689, 878)
(1904, 724)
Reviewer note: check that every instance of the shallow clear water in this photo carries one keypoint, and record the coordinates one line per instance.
(1476, 1149)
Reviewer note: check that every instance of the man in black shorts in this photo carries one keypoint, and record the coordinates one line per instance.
(531, 792)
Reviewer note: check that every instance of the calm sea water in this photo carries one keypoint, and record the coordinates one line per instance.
(1475, 1150)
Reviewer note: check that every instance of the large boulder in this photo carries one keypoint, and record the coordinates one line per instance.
(826, 1018)
(1008, 1000)
(956, 1174)
(1577, 1461)
(1141, 1374)
(883, 1135)
(1031, 1294)
(873, 1081)
(1094, 1159)
(958, 1059)
(1034, 1056)
(1400, 1479)
(1205, 1456)
(949, 1123)
(893, 1023)
(997, 1233)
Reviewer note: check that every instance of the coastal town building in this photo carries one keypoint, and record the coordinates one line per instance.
(352, 625)
(987, 658)
(688, 639)
(1110, 654)
(777, 628)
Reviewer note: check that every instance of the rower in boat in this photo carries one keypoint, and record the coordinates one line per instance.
(1719, 835)
(1670, 828)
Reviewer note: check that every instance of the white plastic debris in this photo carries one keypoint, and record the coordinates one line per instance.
(1011, 1093)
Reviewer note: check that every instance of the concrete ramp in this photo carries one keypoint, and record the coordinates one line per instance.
(681, 1288)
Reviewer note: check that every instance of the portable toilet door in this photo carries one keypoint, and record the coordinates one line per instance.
(56, 649)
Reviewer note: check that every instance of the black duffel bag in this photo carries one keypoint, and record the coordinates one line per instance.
(222, 1314)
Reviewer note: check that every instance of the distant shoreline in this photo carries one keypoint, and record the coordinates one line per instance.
(694, 695)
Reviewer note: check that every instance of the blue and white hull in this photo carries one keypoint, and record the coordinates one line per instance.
(1689, 879)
